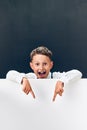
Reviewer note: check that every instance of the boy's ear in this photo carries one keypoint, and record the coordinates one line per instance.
(31, 65)
(51, 64)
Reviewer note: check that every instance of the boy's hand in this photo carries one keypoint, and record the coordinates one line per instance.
(26, 87)
(58, 89)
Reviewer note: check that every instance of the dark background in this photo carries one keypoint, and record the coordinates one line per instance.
(58, 24)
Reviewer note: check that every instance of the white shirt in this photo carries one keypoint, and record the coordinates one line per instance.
(65, 77)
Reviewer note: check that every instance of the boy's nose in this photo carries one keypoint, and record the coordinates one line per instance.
(41, 67)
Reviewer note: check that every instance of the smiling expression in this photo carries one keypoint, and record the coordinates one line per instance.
(41, 65)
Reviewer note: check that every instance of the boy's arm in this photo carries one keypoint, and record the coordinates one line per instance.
(15, 76)
(20, 78)
(70, 76)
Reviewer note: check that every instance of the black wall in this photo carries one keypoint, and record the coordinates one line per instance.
(58, 24)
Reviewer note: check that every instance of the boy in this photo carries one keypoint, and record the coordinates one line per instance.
(41, 63)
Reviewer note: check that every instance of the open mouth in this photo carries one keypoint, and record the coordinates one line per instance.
(42, 74)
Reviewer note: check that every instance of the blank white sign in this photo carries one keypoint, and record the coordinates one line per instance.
(19, 111)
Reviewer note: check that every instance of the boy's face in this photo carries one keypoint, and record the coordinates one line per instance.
(41, 65)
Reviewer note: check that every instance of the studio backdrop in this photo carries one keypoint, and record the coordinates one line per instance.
(58, 24)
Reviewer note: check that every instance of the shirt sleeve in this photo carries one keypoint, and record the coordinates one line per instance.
(69, 76)
(15, 76)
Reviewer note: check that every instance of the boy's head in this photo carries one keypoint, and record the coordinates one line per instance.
(41, 61)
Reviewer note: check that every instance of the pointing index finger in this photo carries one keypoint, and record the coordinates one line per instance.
(32, 93)
(54, 97)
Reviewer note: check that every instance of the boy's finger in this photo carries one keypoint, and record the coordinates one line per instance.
(54, 97)
(60, 93)
(32, 93)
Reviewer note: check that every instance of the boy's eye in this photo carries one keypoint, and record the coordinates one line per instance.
(37, 64)
(45, 63)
